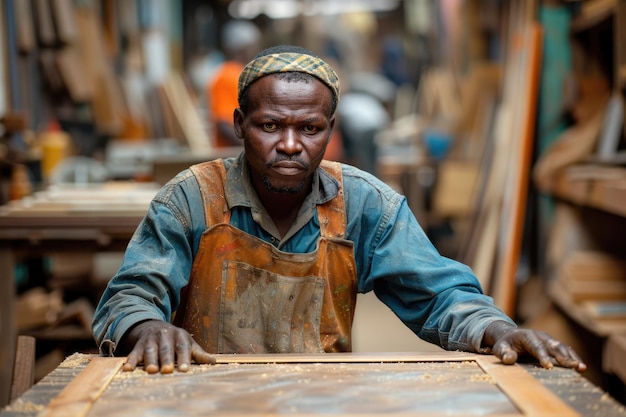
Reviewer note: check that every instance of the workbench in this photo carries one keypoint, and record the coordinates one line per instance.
(433, 384)
(79, 219)
(66, 219)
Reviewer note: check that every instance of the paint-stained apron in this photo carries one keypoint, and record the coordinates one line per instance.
(246, 296)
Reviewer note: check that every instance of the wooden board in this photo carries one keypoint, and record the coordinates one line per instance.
(63, 13)
(186, 114)
(25, 30)
(84, 390)
(79, 87)
(515, 192)
(437, 384)
(106, 199)
(44, 22)
(7, 324)
(495, 246)
(24, 366)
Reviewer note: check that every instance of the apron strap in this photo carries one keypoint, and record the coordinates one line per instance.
(211, 176)
(332, 214)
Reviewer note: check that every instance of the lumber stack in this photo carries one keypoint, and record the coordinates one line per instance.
(74, 63)
(595, 283)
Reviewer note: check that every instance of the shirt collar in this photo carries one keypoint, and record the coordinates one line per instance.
(240, 192)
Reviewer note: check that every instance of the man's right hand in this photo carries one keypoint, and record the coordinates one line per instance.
(159, 344)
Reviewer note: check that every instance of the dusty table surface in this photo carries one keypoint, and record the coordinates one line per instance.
(437, 388)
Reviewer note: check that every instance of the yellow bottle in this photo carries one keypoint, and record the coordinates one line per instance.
(55, 146)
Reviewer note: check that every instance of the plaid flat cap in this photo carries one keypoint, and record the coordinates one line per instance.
(274, 63)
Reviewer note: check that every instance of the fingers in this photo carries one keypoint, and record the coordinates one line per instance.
(159, 345)
(183, 352)
(188, 349)
(131, 361)
(565, 356)
(202, 356)
(505, 352)
(549, 352)
(539, 350)
(166, 353)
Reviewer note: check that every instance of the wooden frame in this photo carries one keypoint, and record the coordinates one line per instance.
(525, 393)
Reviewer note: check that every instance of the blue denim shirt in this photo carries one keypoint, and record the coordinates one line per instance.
(436, 297)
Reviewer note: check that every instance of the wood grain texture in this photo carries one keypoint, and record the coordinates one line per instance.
(24, 22)
(427, 384)
(516, 189)
(79, 395)
(24, 366)
(65, 23)
(533, 399)
(356, 357)
(45, 23)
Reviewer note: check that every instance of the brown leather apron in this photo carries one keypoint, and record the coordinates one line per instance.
(246, 296)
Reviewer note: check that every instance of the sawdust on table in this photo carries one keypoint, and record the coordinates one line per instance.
(76, 360)
(21, 406)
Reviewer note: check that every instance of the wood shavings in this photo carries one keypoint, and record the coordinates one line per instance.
(21, 406)
(75, 360)
(482, 378)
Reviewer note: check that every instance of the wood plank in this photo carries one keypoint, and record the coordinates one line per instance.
(107, 102)
(50, 74)
(455, 188)
(79, 87)
(533, 399)
(7, 323)
(580, 314)
(619, 39)
(24, 366)
(186, 114)
(498, 241)
(596, 290)
(592, 13)
(78, 396)
(613, 356)
(355, 357)
(24, 23)
(574, 190)
(65, 23)
(516, 192)
(590, 265)
(606, 309)
(45, 24)
(609, 196)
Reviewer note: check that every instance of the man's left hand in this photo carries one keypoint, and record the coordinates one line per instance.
(509, 342)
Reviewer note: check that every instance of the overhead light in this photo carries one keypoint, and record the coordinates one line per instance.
(283, 9)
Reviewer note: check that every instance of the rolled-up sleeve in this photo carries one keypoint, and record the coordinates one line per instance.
(154, 270)
(438, 298)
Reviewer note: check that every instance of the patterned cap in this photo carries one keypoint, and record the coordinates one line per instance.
(289, 62)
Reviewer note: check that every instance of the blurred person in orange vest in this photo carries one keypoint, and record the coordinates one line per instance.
(241, 41)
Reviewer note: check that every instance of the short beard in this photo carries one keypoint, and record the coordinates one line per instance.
(282, 190)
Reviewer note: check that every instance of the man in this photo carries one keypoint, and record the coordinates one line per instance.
(266, 252)
(240, 43)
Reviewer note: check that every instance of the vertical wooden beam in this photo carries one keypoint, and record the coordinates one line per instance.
(619, 45)
(516, 193)
(23, 366)
(7, 323)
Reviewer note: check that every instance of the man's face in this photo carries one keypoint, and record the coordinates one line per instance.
(285, 132)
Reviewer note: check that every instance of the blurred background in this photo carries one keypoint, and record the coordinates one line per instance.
(501, 121)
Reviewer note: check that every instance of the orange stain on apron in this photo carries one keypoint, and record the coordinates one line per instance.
(246, 296)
